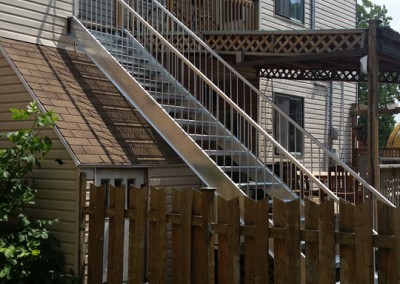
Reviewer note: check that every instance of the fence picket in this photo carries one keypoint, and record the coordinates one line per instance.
(347, 258)
(387, 264)
(137, 203)
(116, 235)
(186, 204)
(96, 237)
(157, 237)
(176, 237)
(229, 243)
(327, 243)
(293, 241)
(363, 243)
(280, 250)
(208, 212)
(199, 243)
(256, 246)
(312, 246)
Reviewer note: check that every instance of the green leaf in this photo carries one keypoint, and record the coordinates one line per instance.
(35, 252)
(9, 252)
(19, 114)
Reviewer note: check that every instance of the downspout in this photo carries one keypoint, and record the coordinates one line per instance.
(75, 8)
(329, 116)
(331, 130)
(312, 14)
(341, 125)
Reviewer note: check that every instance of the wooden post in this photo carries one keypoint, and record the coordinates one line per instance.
(373, 80)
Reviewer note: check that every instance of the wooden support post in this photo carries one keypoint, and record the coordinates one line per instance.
(373, 80)
(354, 139)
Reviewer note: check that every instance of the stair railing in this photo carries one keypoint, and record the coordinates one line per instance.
(299, 162)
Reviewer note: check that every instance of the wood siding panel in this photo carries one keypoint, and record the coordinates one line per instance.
(39, 21)
(56, 184)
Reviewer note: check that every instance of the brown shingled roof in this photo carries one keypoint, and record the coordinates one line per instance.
(97, 122)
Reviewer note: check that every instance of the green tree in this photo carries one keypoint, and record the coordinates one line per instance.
(27, 249)
(387, 92)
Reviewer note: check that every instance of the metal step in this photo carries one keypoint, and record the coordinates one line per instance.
(211, 138)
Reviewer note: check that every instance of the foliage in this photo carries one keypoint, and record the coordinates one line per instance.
(387, 92)
(27, 252)
(369, 11)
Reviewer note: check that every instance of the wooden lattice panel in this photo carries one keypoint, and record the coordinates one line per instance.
(344, 75)
(287, 43)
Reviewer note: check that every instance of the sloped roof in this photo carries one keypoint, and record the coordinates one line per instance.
(96, 121)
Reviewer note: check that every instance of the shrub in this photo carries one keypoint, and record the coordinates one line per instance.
(28, 252)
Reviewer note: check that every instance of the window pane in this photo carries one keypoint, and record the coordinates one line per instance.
(286, 133)
(296, 10)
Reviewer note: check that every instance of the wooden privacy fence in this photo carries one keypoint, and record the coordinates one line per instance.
(212, 241)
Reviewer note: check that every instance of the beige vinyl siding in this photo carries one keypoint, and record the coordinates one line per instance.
(329, 14)
(316, 112)
(179, 177)
(57, 194)
(335, 14)
(38, 21)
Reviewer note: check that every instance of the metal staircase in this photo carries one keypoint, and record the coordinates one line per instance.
(236, 161)
(199, 104)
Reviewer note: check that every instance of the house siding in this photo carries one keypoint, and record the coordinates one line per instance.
(328, 15)
(36, 21)
(56, 184)
(179, 177)
(335, 14)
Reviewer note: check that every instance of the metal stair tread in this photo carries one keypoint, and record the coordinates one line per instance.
(191, 122)
(224, 152)
(180, 108)
(210, 137)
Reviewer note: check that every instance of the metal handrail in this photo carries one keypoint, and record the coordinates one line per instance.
(226, 98)
(332, 156)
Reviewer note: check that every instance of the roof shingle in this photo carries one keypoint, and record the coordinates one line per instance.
(97, 122)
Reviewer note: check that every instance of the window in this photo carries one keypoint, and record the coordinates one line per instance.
(285, 132)
(291, 9)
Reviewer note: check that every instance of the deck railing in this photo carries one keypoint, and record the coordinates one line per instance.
(389, 171)
(215, 15)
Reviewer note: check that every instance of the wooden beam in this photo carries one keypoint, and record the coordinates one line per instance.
(363, 110)
(373, 80)
(302, 57)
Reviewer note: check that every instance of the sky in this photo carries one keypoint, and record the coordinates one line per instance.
(393, 7)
